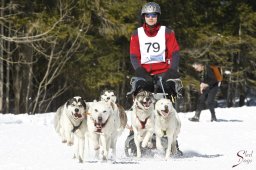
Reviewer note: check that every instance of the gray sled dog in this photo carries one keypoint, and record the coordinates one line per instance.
(110, 97)
(142, 120)
(70, 124)
(167, 123)
(102, 128)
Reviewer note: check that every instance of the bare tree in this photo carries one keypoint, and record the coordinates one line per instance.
(31, 45)
(1, 55)
(57, 59)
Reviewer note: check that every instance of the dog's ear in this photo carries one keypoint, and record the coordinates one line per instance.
(83, 102)
(69, 102)
(113, 92)
(112, 105)
(101, 98)
(103, 91)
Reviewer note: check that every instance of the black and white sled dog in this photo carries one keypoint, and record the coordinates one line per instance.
(110, 97)
(70, 124)
(142, 120)
(102, 128)
(167, 123)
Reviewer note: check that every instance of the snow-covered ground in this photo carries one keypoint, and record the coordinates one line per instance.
(29, 142)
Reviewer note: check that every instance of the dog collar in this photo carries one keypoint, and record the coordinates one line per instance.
(138, 107)
(76, 127)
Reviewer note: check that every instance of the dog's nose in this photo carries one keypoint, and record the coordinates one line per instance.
(100, 119)
(76, 110)
(166, 107)
(108, 98)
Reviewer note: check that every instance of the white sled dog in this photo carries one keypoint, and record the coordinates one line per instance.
(142, 120)
(110, 97)
(102, 128)
(70, 123)
(167, 123)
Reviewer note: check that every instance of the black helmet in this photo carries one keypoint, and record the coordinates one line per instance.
(151, 7)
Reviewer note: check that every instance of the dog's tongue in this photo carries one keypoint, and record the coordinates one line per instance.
(165, 112)
(78, 115)
(99, 125)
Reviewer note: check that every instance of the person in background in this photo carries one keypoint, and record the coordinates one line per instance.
(208, 90)
(154, 53)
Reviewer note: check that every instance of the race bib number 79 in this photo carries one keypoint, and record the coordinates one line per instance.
(155, 46)
(152, 49)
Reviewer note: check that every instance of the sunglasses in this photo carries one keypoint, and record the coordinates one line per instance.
(152, 15)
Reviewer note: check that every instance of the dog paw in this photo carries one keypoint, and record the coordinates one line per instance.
(150, 145)
(70, 143)
(174, 151)
(168, 154)
(80, 160)
(97, 148)
(104, 158)
(138, 154)
(143, 145)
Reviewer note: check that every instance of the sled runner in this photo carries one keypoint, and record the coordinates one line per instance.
(130, 147)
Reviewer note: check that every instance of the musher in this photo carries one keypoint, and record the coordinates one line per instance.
(154, 54)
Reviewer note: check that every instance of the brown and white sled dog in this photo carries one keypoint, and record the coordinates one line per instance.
(142, 120)
(70, 123)
(102, 128)
(167, 123)
(110, 97)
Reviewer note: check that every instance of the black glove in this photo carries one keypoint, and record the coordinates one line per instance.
(171, 74)
(141, 72)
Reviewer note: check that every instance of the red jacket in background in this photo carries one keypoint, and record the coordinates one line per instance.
(172, 47)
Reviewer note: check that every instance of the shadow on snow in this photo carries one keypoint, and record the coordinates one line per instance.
(191, 154)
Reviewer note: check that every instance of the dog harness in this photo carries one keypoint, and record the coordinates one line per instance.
(76, 127)
(142, 123)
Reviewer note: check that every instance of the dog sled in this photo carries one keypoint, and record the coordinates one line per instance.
(130, 147)
(159, 91)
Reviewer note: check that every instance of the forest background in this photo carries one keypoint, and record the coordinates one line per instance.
(52, 50)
